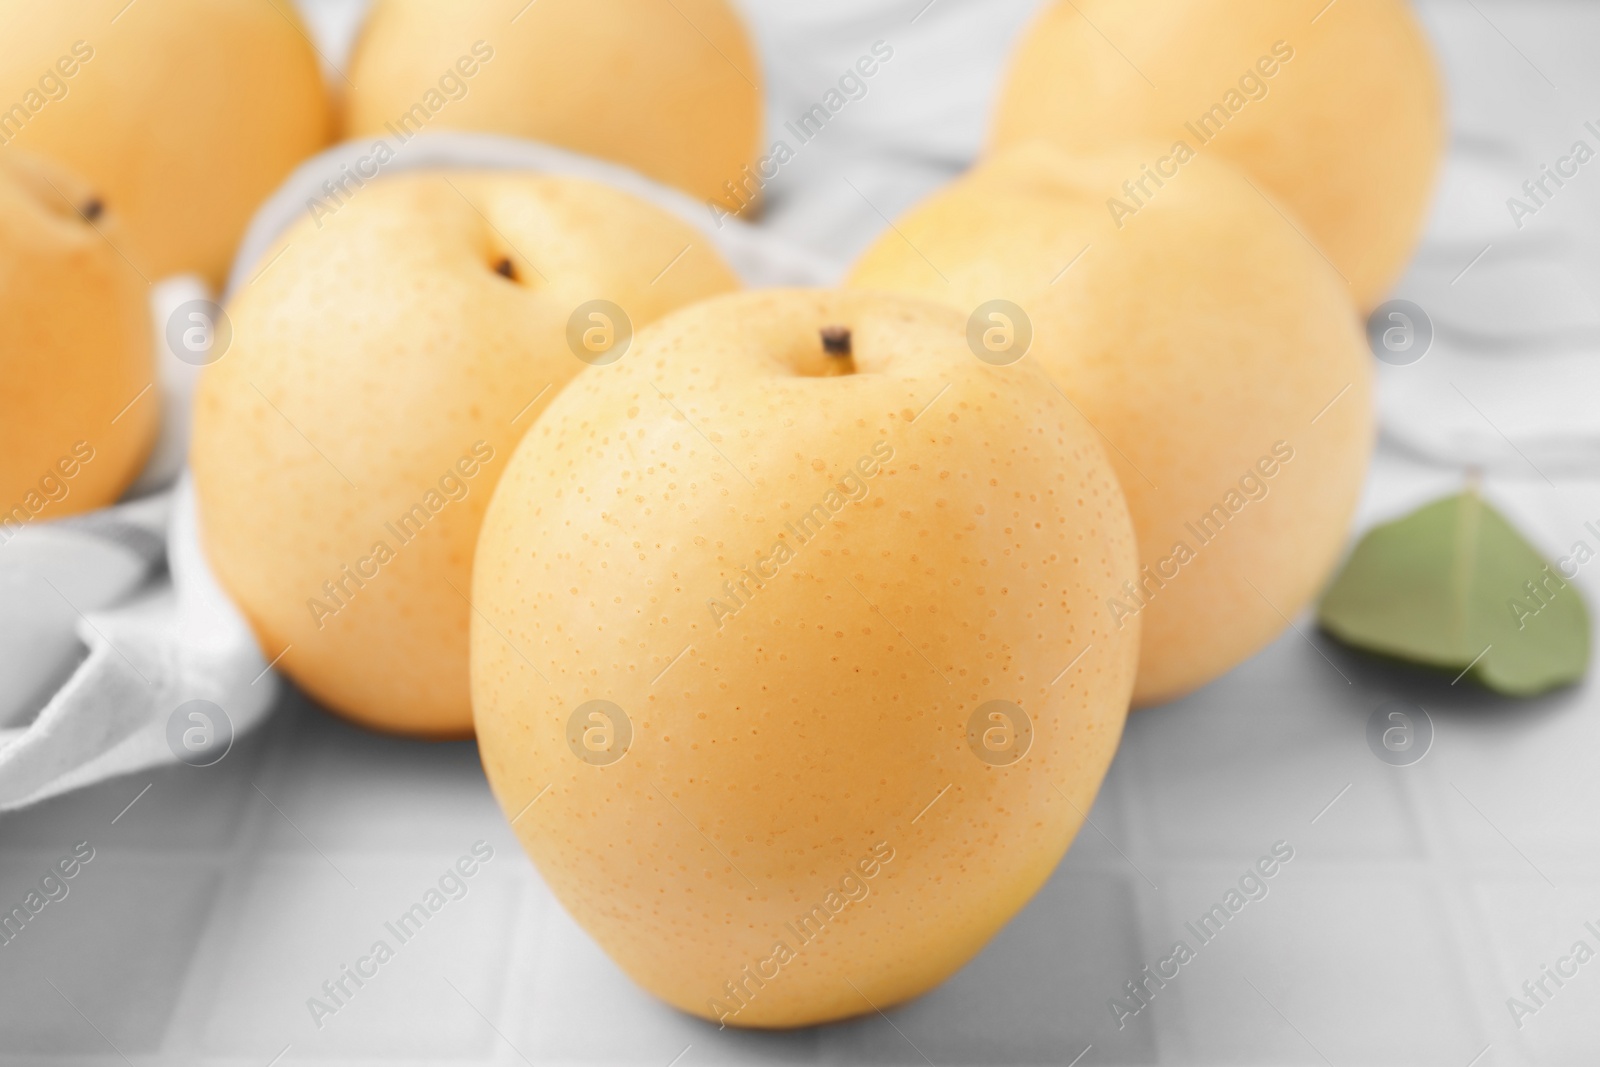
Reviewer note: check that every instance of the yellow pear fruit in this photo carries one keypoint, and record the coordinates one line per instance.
(1211, 346)
(384, 362)
(184, 114)
(1336, 110)
(78, 404)
(671, 88)
(793, 624)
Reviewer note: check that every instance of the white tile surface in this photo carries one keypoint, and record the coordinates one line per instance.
(1528, 928)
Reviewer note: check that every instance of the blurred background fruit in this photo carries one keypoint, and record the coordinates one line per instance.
(671, 88)
(1336, 110)
(184, 114)
(78, 407)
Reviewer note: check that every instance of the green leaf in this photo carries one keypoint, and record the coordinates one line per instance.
(1454, 584)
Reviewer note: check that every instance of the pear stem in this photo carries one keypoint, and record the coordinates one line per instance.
(836, 343)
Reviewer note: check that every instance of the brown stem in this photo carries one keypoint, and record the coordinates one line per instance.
(836, 343)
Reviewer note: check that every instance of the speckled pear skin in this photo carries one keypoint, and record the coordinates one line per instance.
(798, 732)
(1212, 346)
(387, 358)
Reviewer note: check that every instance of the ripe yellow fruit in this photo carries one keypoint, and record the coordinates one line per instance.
(185, 114)
(796, 548)
(1214, 349)
(78, 407)
(670, 88)
(1335, 110)
(384, 363)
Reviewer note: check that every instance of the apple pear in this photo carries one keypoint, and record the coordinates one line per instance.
(1209, 343)
(185, 114)
(1336, 110)
(671, 88)
(78, 406)
(385, 360)
(793, 624)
